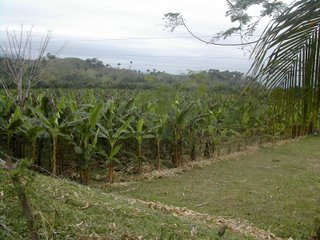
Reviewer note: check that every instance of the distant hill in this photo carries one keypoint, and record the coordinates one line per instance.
(92, 73)
(78, 73)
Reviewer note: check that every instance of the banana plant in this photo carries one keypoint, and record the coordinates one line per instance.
(179, 118)
(139, 133)
(10, 126)
(54, 125)
(35, 133)
(84, 134)
(155, 105)
(196, 121)
(5, 109)
(114, 127)
(157, 126)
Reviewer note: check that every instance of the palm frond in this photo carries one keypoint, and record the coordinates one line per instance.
(292, 38)
(287, 57)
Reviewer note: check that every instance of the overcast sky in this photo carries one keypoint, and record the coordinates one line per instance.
(129, 30)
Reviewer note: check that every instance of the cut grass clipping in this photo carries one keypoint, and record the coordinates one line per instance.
(66, 210)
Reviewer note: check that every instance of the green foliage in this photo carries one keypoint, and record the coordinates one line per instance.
(128, 130)
(84, 131)
(74, 73)
(286, 63)
(114, 127)
(238, 11)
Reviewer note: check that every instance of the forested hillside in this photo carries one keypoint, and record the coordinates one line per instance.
(92, 73)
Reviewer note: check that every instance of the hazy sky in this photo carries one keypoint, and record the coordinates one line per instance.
(129, 30)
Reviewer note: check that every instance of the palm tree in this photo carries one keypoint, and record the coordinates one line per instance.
(287, 62)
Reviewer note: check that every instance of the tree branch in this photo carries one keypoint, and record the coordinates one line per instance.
(19, 63)
(173, 20)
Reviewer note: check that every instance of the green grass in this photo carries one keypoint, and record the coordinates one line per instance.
(66, 210)
(276, 189)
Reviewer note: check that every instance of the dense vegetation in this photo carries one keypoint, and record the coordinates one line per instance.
(68, 131)
(122, 128)
(155, 121)
(76, 73)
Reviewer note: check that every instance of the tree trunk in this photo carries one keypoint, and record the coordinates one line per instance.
(27, 211)
(60, 156)
(17, 146)
(110, 172)
(179, 154)
(34, 151)
(84, 176)
(193, 153)
(206, 153)
(19, 87)
(139, 159)
(176, 156)
(54, 156)
(34, 154)
(158, 155)
(39, 151)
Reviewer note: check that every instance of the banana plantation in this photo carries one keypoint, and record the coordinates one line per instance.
(76, 134)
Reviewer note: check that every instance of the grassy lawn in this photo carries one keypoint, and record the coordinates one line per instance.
(276, 189)
(66, 210)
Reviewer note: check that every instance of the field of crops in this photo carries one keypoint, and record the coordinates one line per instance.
(68, 132)
(73, 133)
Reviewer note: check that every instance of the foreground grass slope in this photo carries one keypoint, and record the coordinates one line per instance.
(66, 210)
(276, 189)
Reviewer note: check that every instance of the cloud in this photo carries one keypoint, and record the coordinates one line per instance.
(126, 30)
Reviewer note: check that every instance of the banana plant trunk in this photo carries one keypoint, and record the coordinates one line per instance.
(18, 146)
(158, 154)
(60, 156)
(180, 150)
(139, 158)
(84, 176)
(110, 172)
(206, 152)
(177, 158)
(34, 153)
(54, 156)
(193, 152)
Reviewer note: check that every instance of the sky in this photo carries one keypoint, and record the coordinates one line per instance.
(129, 30)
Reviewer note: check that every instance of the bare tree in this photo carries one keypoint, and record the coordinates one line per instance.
(21, 63)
